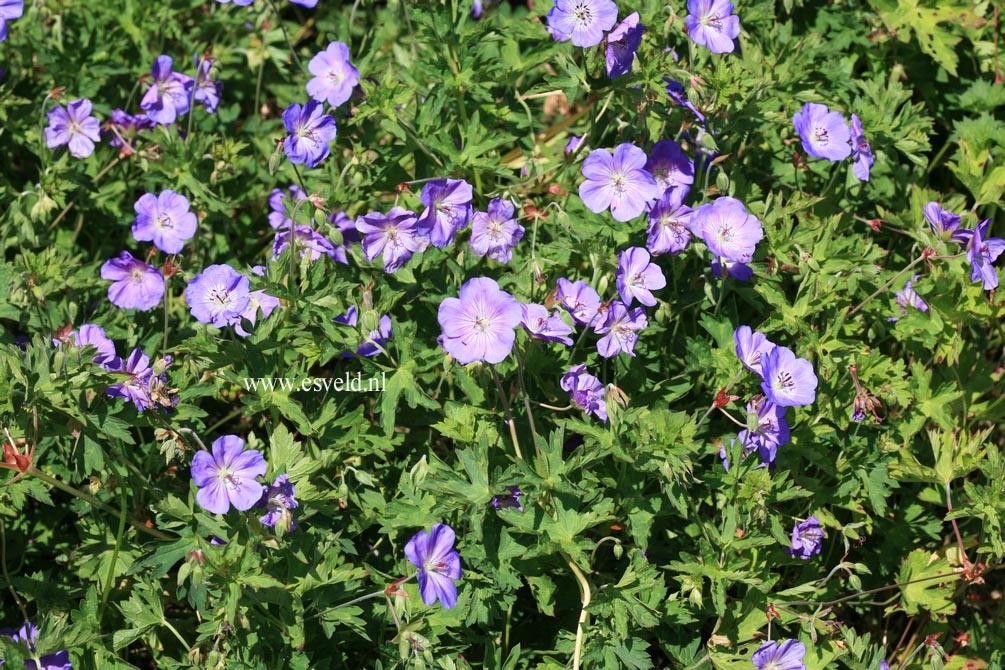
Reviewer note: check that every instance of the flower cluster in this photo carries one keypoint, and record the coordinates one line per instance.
(982, 251)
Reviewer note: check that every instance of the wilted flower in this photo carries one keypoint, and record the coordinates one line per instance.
(711, 23)
(619, 182)
(170, 95)
(864, 401)
(227, 476)
(622, 44)
(807, 538)
(621, 326)
(218, 295)
(825, 134)
(310, 130)
(494, 233)
(784, 655)
(582, 21)
(136, 284)
(136, 388)
(448, 210)
(207, 91)
(74, 126)
(165, 220)
(788, 381)
(676, 91)
(334, 76)
(479, 325)
(438, 562)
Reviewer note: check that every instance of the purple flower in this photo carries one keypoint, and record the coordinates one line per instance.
(239, 3)
(788, 381)
(281, 205)
(785, 655)
(136, 284)
(90, 335)
(946, 225)
(982, 252)
(207, 91)
(448, 210)
(136, 387)
(165, 220)
(572, 144)
(734, 269)
(170, 95)
(257, 301)
(124, 128)
(28, 633)
(767, 429)
(310, 130)
(496, 232)
(710, 23)
(542, 326)
(807, 538)
(578, 299)
(218, 295)
(825, 134)
(375, 339)
(728, 229)
(583, 21)
(908, 298)
(9, 10)
(669, 224)
(279, 499)
(637, 277)
(309, 4)
(308, 242)
(74, 126)
(438, 562)
(479, 325)
(394, 235)
(621, 327)
(586, 391)
(227, 476)
(622, 43)
(751, 346)
(334, 76)
(509, 500)
(677, 93)
(883, 665)
(861, 152)
(619, 182)
(670, 167)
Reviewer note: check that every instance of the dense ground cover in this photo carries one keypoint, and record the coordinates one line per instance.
(682, 321)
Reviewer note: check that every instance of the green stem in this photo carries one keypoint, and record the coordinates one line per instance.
(509, 414)
(115, 558)
(585, 595)
(886, 285)
(66, 488)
